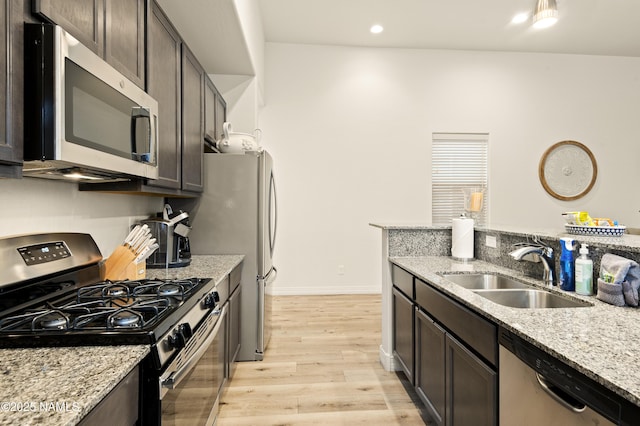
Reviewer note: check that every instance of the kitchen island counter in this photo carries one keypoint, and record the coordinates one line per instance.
(601, 341)
(59, 386)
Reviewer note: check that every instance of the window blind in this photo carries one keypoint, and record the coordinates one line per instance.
(458, 161)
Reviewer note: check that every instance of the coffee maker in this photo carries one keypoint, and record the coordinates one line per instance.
(170, 231)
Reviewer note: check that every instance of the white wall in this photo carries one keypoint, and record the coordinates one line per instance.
(240, 92)
(36, 205)
(350, 131)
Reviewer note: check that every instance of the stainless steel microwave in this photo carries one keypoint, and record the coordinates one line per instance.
(84, 120)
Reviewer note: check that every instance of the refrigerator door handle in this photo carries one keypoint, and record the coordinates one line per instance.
(273, 210)
(264, 312)
(271, 276)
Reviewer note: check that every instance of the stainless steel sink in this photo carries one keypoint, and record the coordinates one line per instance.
(513, 293)
(531, 299)
(485, 281)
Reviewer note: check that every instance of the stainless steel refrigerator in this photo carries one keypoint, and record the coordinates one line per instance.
(237, 214)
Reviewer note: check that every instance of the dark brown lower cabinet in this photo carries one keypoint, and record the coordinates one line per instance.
(403, 329)
(457, 387)
(472, 387)
(235, 322)
(447, 351)
(430, 366)
(120, 406)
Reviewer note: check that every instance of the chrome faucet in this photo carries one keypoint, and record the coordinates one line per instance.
(545, 254)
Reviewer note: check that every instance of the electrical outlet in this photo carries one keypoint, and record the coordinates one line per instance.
(340, 269)
(491, 241)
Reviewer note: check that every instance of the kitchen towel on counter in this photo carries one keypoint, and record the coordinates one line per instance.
(462, 238)
(619, 280)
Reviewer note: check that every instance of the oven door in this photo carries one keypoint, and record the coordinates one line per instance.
(190, 387)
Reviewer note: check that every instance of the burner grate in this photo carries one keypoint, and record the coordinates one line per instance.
(107, 306)
(111, 293)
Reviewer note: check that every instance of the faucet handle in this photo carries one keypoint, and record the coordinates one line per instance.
(541, 243)
(537, 241)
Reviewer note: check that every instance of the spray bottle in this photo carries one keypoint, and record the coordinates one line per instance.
(567, 276)
(584, 272)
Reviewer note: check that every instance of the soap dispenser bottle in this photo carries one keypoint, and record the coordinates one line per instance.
(584, 272)
(566, 277)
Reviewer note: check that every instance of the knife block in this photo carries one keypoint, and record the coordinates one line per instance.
(135, 272)
(119, 266)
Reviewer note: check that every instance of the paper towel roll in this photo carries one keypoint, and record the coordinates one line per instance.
(462, 238)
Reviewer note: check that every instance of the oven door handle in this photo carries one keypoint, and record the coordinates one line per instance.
(176, 377)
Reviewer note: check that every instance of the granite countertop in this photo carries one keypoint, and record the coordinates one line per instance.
(601, 341)
(47, 385)
(625, 242)
(59, 386)
(202, 266)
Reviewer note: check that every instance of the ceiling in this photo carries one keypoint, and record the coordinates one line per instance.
(594, 27)
(590, 27)
(212, 31)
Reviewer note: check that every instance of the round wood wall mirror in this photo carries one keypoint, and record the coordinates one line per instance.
(568, 170)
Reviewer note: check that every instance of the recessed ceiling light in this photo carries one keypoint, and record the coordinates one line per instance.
(376, 29)
(520, 18)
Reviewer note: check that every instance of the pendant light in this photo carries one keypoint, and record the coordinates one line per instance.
(546, 14)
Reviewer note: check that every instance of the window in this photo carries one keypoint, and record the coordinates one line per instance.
(459, 161)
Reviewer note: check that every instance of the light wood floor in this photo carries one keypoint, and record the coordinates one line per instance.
(321, 367)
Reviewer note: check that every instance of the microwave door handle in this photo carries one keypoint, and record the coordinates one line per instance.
(140, 113)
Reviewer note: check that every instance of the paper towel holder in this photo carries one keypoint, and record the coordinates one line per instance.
(462, 238)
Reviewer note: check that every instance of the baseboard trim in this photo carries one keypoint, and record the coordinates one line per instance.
(388, 361)
(322, 291)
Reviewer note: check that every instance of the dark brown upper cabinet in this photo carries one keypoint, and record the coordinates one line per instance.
(192, 122)
(221, 115)
(209, 110)
(124, 46)
(164, 84)
(215, 109)
(13, 13)
(113, 29)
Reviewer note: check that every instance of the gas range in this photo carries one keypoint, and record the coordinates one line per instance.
(58, 299)
(51, 294)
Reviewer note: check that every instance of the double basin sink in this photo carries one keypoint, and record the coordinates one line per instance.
(510, 292)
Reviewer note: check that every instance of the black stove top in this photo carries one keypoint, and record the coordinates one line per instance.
(108, 305)
(107, 312)
(61, 301)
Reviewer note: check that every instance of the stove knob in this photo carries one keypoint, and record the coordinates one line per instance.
(211, 300)
(177, 341)
(185, 330)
